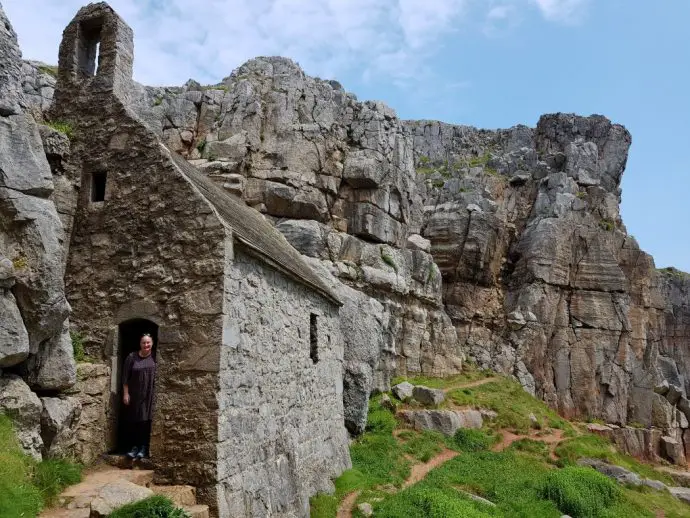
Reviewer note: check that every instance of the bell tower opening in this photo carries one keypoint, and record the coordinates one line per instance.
(89, 46)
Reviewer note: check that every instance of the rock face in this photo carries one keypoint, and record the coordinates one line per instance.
(504, 245)
(34, 330)
(31, 237)
(58, 421)
(24, 408)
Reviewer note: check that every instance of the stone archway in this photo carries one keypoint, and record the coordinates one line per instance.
(129, 333)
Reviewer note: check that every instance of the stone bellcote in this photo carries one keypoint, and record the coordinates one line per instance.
(96, 55)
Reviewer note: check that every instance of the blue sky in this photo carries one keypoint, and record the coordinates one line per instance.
(487, 63)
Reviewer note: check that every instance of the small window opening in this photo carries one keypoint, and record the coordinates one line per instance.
(313, 338)
(89, 47)
(98, 186)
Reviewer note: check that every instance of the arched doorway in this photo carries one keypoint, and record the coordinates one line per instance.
(129, 334)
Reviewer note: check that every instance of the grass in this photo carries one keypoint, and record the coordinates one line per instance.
(26, 486)
(469, 375)
(426, 501)
(511, 402)
(580, 491)
(378, 459)
(422, 446)
(522, 481)
(18, 495)
(156, 506)
(77, 346)
(387, 258)
(63, 127)
(597, 447)
(531, 447)
(51, 70)
(51, 476)
(474, 440)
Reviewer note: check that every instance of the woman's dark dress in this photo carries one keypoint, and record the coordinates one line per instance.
(139, 375)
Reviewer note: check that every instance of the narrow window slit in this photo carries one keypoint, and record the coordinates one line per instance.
(98, 186)
(313, 338)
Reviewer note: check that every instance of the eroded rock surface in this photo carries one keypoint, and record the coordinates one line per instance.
(504, 245)
(32, 296)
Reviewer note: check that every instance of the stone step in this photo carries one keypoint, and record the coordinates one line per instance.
(197, 511)
(95, 481)
(65, 513)
(180, 495)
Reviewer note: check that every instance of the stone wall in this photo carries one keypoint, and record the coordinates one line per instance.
(152, 248)
(281, 434)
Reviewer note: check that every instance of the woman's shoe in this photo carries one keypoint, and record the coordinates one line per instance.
(133, 452)
(142, 453)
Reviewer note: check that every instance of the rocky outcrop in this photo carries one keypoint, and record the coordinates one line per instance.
(504, 245)
(24, 408)
(34, 330)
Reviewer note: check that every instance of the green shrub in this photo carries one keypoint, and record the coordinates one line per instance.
(580, 492)
(607, 224)
(77, 346)
(51, 476)
(153, 507)
(597, 447)
(512, 403)
(466, 439)
(422, 446)
(63, 127)
(532, 447)
(422, 500)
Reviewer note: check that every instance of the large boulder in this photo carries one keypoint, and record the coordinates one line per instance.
(428, 396)
(14, 340)
(24, 408)
(445, 421)
(58, 422)
(53, 366)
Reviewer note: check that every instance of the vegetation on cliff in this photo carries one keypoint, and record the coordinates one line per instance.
(522, 463)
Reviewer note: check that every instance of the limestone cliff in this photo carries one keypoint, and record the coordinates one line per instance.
(34, 327)
(506, 246)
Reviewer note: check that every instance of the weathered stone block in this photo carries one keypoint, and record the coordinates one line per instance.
(24, 408)
(14, 340)
(445, 421)
(428, 396)
(403, 391)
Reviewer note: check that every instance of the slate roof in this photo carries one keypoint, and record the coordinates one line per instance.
(251, 229)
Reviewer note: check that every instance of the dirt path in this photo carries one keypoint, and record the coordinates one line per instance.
(419, 471)
(470, 384)
(346, 506)
(553, 439)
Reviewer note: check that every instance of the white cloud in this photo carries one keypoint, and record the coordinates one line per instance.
(384, 40)
(500, 12)
(568, 11)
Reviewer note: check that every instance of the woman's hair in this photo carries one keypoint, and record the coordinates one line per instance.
(146, 335)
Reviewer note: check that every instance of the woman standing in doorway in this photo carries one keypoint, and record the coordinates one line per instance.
(138, 375)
